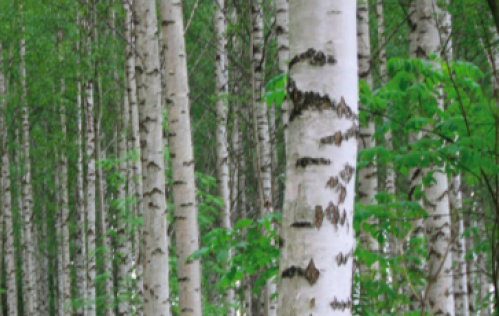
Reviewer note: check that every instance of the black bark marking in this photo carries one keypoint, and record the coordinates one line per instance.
(301, 225)
(310, 100)
(314, 57)
(333, 214)
(177, 182)
(319, 216)
(311, 273)
(443, 195)
(347, 173)
(306, 161)
(342, 259)
(343, 218)
(312, 302)
(338, 137)
(292, 271)
(335, 304)
(332, 182)
(343, 194)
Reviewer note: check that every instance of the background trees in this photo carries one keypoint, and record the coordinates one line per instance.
(73, 205)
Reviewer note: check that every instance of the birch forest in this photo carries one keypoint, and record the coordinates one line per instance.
(249, 157)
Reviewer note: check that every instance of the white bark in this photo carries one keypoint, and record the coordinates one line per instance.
(10, 254)
(90, 198)
(135, 147)
(151, 119)
(182, 157)
(80, 244)
(30, 291)
(222, 162)
(123, 251)
(484, 283)
(261, 127)
(438, 225)
(58, 230)
(282, 32)
(316, 264)
(368, 177)
(460, 281)
(470, 264)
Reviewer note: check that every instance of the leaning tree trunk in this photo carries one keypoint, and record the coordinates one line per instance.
(316, 266)
(10, 253)
(222, 163)
(182, 157)
(151, 119)
(368, 176)
(29, 226)
(458, 249)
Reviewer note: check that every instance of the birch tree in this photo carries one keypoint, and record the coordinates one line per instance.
(156, 292)
(182, 157)
(317, 229)
(27, 199)
(429, 40)
(10, 253)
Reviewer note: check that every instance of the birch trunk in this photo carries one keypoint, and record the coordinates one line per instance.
(261, 127)
(151, 118)
(222, 163)
(316, 264)
(90, 198)
(123, 251)
(438, 226)
(182, 157)
(3, 210)
(58, 231)
(458, 249)
(10, 253)
(29, 226)
(1, 218)
(282, 32)
(66, 260)
(368, 176)
(80, 244)
(135, 147)
(484, 289)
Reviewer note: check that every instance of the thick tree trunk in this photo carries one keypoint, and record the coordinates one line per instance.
(316, 264)
(151, 119)
(182, 157)
(10, 253)
(438, 225)
(458, 249)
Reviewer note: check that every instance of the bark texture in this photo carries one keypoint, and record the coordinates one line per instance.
(10, 253)
(316, 266)
(182, 157)
(156, 292)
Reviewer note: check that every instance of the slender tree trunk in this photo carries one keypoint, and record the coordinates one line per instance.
(484, 282)
(29, 226)
(151, 119)
(90, 198)
(182, 157)
(368, 176)
(80, 244)
(261, 126)
(123, 251)
(10, 253)
(458, 249)
(282, 31)
(135, 147)
(222, 164)
(470, 263)
(58, 229)
(316, 267)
